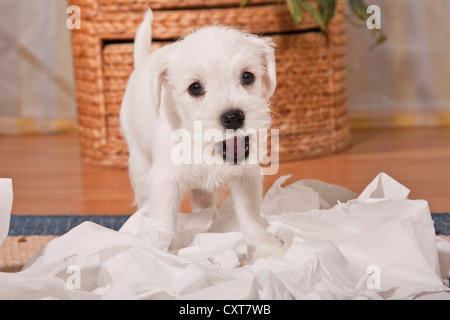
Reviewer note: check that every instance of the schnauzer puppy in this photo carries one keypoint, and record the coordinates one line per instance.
(214, 82)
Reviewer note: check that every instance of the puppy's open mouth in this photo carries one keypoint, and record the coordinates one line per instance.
(235, 150)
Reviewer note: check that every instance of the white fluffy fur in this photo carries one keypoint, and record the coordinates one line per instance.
(157, 102)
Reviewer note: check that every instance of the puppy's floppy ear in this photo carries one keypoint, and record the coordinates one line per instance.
(267, 56)
(157, 71)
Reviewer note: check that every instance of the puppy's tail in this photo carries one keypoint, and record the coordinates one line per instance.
(143, 40)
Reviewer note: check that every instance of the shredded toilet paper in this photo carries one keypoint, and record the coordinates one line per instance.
(338, 245)
(6, 199)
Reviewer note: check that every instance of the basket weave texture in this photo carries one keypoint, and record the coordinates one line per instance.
(310, 102)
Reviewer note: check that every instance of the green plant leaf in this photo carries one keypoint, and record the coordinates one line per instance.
(315, 14)
(326, 9)
(245, 2)
(295, 10)
(380, 37)
(359, 8)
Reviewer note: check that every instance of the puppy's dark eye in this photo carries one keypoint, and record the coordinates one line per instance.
(196, 89)
(247, 78)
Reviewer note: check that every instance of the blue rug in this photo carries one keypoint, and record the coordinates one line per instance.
(59, 225)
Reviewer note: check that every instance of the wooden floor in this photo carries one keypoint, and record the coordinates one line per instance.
(49, 178)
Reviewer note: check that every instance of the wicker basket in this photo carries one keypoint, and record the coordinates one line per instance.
(310, 103)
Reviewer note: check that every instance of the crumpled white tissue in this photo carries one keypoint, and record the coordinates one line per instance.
(379, 245)
(6, 199)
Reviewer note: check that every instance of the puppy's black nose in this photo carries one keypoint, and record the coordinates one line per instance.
(233, 119)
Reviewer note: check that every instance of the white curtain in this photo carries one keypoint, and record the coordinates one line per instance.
(36, 77)
(406, 80)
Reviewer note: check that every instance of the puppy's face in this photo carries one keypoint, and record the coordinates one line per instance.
(223, 79)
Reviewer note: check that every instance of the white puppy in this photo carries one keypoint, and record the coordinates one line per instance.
(220, 79)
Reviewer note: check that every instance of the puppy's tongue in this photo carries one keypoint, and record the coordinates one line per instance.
(235, 148)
